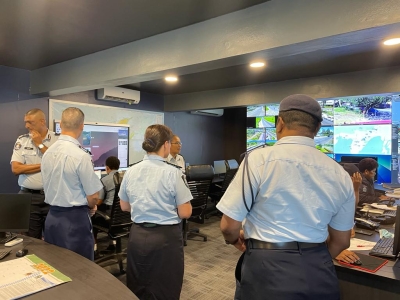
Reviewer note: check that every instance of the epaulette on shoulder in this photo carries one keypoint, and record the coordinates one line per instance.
(135, 163)
(24, 135)
(86, 150)
(178, 167)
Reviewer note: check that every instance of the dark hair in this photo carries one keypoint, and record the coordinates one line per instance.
(112, 162)
(297, 118)
(367, 164)
(155, 136)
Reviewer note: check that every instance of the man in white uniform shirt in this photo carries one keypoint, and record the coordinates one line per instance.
(174, 156)
(26, 163)
(289, 197)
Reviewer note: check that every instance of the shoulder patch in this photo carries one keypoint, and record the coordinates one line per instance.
(86, 150)
(24, 135)
(178, 167)
(134, 163)
(17, 146)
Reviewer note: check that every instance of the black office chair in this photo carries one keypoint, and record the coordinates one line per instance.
(119, 224)
(199, 178)
(220, 188)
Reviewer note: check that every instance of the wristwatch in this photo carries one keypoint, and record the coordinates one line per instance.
(40, 146)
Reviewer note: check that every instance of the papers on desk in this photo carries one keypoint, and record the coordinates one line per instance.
(358, 244)
(27, 275)
(393, 195)
(383, 206)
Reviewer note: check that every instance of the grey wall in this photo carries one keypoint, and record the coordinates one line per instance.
(385, 80)
(201, 135)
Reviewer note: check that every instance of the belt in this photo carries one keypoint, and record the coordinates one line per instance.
(256, 244)
(41, 192)
(152, 225)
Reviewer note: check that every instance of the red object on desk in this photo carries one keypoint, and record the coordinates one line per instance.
(370, 264)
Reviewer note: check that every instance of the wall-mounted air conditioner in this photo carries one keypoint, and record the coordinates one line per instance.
(119, 95)
(208, 112)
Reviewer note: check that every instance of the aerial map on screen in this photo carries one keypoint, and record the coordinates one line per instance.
(363, 139)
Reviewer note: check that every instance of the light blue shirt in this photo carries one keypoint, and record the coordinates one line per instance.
(26, 152)
(68, 174)
(298, 192)
(109, 188)
(154, 189)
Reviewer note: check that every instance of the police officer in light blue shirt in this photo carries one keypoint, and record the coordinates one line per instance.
(288, 198)
(71, 188)
(157, 196)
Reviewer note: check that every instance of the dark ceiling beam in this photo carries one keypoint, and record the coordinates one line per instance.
(377, 81)
(283, 26)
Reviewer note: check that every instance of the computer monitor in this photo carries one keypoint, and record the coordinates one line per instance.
(104, 140)
(219, 167)
(232, 163)
(15, 211)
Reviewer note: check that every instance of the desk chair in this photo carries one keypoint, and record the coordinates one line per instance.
(220, 188)
(199, 178)
(118, 225)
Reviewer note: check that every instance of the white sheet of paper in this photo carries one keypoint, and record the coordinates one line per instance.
(358, 244)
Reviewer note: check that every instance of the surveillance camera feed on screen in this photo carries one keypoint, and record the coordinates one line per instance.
(357, 126)
(104, 140)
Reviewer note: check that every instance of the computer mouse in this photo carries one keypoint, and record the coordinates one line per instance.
(357, 263)
(21, 252)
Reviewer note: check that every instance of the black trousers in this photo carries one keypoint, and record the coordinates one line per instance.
(307, 274)
(155, 262)
(39, 210)
(70, 228)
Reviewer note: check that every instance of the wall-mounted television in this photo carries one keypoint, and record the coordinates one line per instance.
(324, 139)
(363, 139)
(104, 140)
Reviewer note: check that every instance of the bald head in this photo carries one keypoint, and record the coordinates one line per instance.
(72, 119)
(38, 113)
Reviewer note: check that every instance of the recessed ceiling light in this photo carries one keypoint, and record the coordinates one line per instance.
(258, 64)
(171, 78)
(392, 42)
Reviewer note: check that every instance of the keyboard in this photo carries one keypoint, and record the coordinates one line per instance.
(390, 213)
(4, 253)
(383, 248)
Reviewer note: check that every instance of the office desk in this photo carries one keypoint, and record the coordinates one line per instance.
(357, 284)
(89, 281)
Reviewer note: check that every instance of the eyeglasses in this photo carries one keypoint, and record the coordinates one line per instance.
(177, 143)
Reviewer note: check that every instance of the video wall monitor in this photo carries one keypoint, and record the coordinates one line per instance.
(272, 109)
(383, 172)
(363, 139)
(270, 136)
(104, 140)
(255, 111)
(366, 110)
(324, 139)
(255, 137)
(266, 122)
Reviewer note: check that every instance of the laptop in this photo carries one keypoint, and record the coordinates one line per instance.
(389, 247)
(15, 211)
